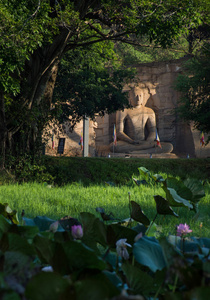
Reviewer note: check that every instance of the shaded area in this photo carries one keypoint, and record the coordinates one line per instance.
(120, 170)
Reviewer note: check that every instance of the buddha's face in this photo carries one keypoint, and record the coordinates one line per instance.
(139, 99)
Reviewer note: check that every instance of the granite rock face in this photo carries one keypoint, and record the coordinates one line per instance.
(155, 85)
(72, 139)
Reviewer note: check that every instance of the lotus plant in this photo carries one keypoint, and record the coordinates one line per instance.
(121, 248)
(138, 236)
(183, 229)
(47, 269)
(54, 226)
(77, 231)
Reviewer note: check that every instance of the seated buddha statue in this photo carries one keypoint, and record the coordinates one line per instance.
(136, 130)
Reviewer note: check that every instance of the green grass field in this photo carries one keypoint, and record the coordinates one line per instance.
(87, 189)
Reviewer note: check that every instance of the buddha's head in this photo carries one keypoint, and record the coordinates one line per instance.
(138, 97)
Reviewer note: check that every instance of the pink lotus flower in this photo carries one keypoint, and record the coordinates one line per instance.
(121, 246)
(183, 229)
(77, 231)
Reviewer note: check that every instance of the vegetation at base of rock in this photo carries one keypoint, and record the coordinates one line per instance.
(194, 85)
(120, 171)
(96, 170)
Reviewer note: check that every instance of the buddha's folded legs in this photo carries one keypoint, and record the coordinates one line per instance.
(142, 148)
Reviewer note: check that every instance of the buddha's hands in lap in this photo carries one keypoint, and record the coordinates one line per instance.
(135, 143)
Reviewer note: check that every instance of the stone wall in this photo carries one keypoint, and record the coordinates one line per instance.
(72, 139)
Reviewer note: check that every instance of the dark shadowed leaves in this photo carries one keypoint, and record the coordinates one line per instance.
(140, 228)
(198, 293)
(189, 245)
(8, 213)
(25, 231)
(139, 281)
(14, 242)
(169, 251)
(105, 216)
(45, 248)
(80, 257)
(46, 285)
(43, 223)
(67, 222)
(197, 191)
(179, 187)
(16, 263)
(203, 242)
(114, 278)
(67, 257)
(162, 206)
(195, 187)
(94, 230)
(116, 232)
(174, 199)
(4, 224)
(96, 287)
(137, 214)
(190, 190)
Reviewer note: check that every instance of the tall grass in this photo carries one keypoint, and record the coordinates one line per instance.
(80, 186)
(57, 202)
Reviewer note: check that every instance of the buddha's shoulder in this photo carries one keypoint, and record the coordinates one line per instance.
(150, 110)
(137, 110)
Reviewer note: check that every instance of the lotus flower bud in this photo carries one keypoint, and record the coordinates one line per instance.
(54, 226)
(121, 248)
(138, 236)
(77, 231)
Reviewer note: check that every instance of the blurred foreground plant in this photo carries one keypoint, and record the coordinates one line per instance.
(105, 258)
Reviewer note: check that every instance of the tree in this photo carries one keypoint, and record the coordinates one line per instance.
(36, 34)
(194, 85)
(90, 81)
(25, 27)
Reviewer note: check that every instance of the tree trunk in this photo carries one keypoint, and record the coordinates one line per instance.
(40, 75)
(50, 86)
(3, 131)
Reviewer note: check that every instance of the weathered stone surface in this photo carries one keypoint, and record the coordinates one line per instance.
(136, 127)
(156, 87)
(72, 139)
(158, 79)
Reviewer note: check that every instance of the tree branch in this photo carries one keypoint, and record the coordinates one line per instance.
(32, 16)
